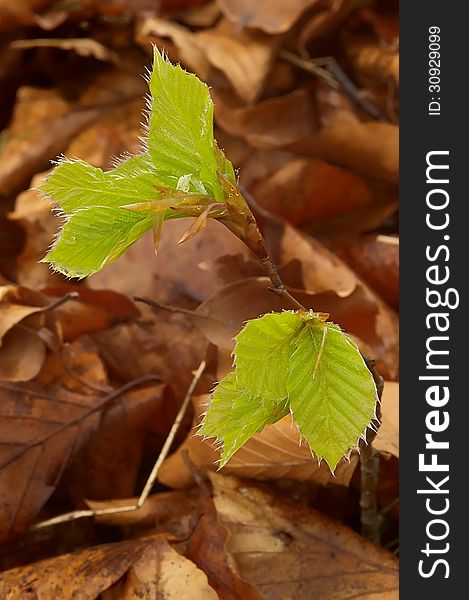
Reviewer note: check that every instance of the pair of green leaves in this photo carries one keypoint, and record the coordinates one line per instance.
(180, 154)
(285, 362)
(294, 362)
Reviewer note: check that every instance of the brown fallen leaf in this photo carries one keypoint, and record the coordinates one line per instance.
(166, 276)
(23, 317)
(43, 425)
(304, 191)
(183, 45)
(294, 122)
(170, 346)
(274, 453)
(44, 123)
(206, 547)
(171, 512)
(272, 123)
(289, 551)
(271, 16)
(107, 466)
(376, 260)
(367, 148)
(132, 569)
(92, 310)
(43, 126)
(245, 57)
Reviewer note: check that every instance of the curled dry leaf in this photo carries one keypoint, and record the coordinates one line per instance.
(170, 512)
(23, 315)
(274, 453)
(133, 569)
(289, 551)
(318, 196)
(271, 16)
(170, 346)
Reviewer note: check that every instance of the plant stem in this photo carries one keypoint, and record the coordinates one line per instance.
(277, 284)
(369, 469)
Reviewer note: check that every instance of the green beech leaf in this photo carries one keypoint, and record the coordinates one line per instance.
(235, 415)
(263, 351)
(294, 361)
(108, 232)
(332, 393)
(181, 154)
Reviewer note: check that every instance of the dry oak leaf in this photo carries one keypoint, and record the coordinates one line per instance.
(146, 569)
(23, 314)
(290, 551)
(274, 453)
(43, 425)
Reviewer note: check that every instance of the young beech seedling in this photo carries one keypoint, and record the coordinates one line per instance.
(289, 362)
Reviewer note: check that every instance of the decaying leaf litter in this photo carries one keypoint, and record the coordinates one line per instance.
(90, 386)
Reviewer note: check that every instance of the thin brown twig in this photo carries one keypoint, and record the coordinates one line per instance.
(369, 469)
(329, 70)
(77, 514)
